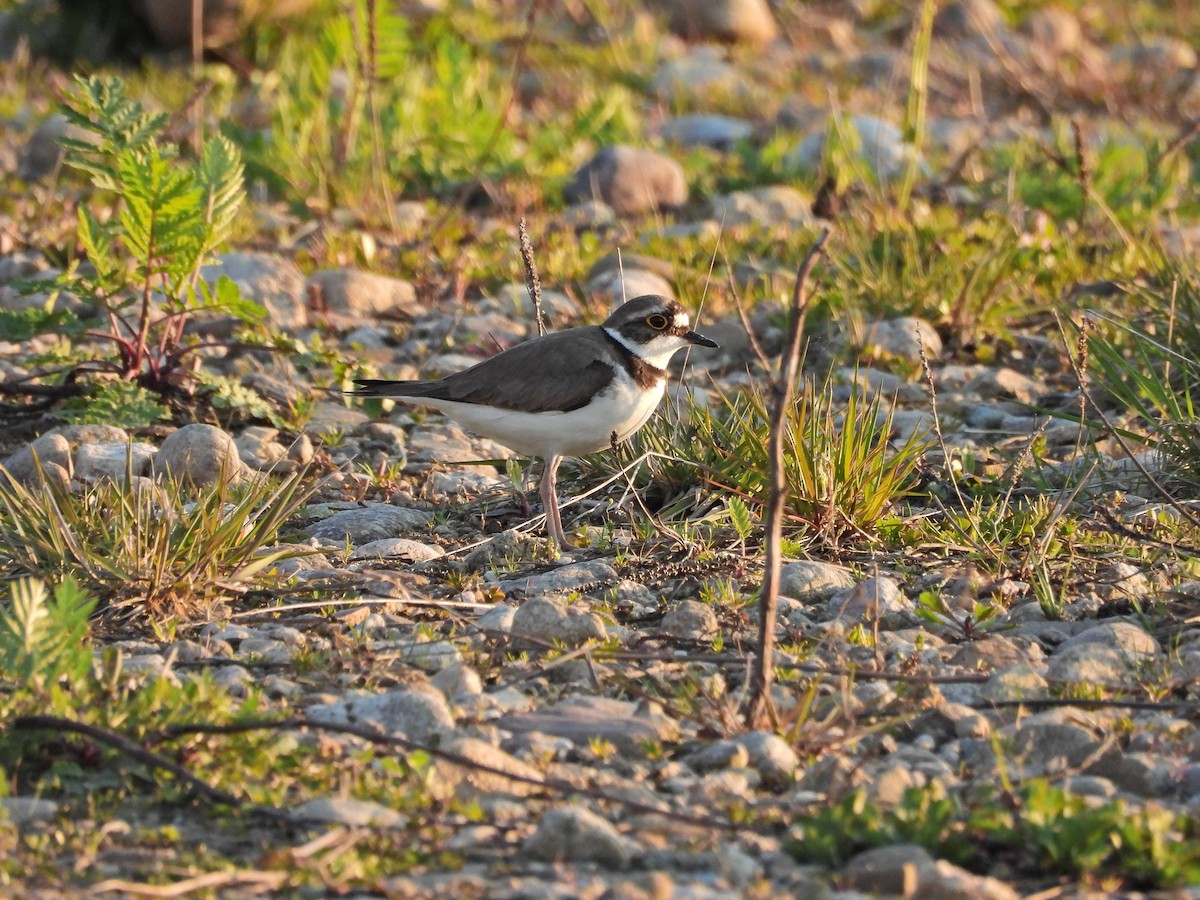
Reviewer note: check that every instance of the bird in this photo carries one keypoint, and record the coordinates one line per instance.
(567, 393)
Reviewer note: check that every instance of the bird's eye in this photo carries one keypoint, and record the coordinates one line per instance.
(657, 322)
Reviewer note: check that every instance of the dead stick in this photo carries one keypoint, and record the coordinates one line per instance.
(760, 709)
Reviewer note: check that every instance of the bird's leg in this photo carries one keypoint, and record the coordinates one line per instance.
(550, 502)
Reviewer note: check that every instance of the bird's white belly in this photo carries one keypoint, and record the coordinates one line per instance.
(622, 408)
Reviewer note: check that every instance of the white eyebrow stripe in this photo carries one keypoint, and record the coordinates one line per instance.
(682, 321)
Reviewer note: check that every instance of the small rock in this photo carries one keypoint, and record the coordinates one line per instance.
(690, 621)
(575, 834)
(199, 455)
(732, 21)
(48, 450)
(352, 292)
(546, 621)
(1018, 682)
(571, 577)
(812, 581)
(1091, 664)
(875, 597)
(370, 522)
(419, 714)
(719, 132)
(1047, 743)
(632, 181)
(267, 278)
(457, 681)
(397, 548)
(903, 338)
(481, 753)
(702, 73)
(1124, 637)
(881, 147)
(614, 287)
(347, 811)
(24, 811)
(772, 757)
(774, 206)
(111, 461)
(946, 881)
(725, 754)
(582, 719)
(892, 870)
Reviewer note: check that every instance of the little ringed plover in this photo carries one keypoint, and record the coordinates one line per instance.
(563, 394)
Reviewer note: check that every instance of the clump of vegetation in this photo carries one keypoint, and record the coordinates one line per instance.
(844, 473)
(1040, 826)
(151, 548)
(139, 282)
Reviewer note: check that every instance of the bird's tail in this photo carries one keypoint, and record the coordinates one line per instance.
(380, 387)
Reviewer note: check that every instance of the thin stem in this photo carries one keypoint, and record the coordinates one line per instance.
(760, 709)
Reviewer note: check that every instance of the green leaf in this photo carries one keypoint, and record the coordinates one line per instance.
(23, 324)
(740, 516)
(120, 403)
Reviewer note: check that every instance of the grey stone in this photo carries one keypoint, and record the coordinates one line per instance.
(352, 292)
(446, 443)
(480, 753)
(572, 577)
(547, 621)
(1047, 743)
(42, 154)
(612, 288)
(266, 278)
(96, 462)
(429, 655)
(812, 581)
(903, 338)
(942, 880)
(582, 719)
(419, 714)
(397, 548)
(49, 449)
(888, 784)
(497, 619)
(24, 811)
(699, 130)
(348, 811)
(1143, 774)
(630, 180)
(199, 455)
(1124, 637)
(1018, 682)
(457, 681)
(690, 621)
(891, 870)
(701, 73)
(1003, 382)
(772, 757)
(1091, 664)
(724, 754)
(969, 18)
(875, 597)
(774, 206)
(370, 522)
(881, 148)
(734, 21)
(588, 215)
(575, 834)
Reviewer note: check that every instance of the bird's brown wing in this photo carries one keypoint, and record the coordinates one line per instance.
(556, 373)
